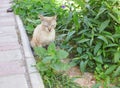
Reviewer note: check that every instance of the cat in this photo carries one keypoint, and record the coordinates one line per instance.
(44, 33)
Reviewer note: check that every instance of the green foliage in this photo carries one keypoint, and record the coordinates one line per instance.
(83, 66)
(59, 81)
(51, 59)
(89, 31)
(50, 63)
(96, 85)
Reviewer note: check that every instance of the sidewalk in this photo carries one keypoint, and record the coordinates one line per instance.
(16, 70)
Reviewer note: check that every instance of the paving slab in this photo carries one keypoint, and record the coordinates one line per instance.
(8, 29)
(13, 81)
(4, 13)
(3, 10)
(9, 46)
(8, 38)
(5, 1)
(7, 5)
(12, 67)
(2, 34)
(7, 21)
(11, 55)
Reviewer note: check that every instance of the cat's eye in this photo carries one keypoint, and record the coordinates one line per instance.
(46, 25)
(52, 25)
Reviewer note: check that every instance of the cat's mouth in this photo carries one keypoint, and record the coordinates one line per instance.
(49, 30)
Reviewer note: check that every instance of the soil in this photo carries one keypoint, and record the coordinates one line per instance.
(84, 80)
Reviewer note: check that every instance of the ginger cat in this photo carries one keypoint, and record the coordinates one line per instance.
(44, 33)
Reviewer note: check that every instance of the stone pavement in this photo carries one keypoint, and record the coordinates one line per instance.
(16, 70)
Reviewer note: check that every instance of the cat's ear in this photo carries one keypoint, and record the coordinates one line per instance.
(41, 17)
(55, 17)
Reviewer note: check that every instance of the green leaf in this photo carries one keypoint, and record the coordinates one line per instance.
(114, 18)
(110, 37)
(69, 35)
(111, 45)
(82, 31)
(85, 56)
(76, 20)
(117, 72)
(116, 56)
(116, 36)
(107, 33)
(89, 54)
(81, 3)
(107, 4)
(83, 40)
(72, 64)
(96, 85)
(51, 48)
(97, 47)
(41, 66)
(92, 37)
(61, 54)
(117, 29)
(110, 69)
(103, 25)
(103, 39)
(41, 52)
(29, 29)
(83, 66)
(98, 59)
(32, 21)
(87, 22)
(101, 10)
(79, 50)
(59, 66)
(91, 41)
(47, 59)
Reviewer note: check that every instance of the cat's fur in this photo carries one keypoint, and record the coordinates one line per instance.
(44, 33)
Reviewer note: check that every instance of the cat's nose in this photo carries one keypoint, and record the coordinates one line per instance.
(49, 29)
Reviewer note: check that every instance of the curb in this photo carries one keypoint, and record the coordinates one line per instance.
(34, 75)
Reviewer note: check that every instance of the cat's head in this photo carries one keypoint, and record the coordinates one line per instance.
(48, 22)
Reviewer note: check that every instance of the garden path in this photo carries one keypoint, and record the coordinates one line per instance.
(15, 68)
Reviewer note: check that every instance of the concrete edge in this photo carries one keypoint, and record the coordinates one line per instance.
(35, 77)
(24, 38)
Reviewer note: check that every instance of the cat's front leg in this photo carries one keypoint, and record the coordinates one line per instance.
(39, 45)
(32, 44)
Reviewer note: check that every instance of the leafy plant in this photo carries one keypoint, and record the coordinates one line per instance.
(51, 67)
(51, 59)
